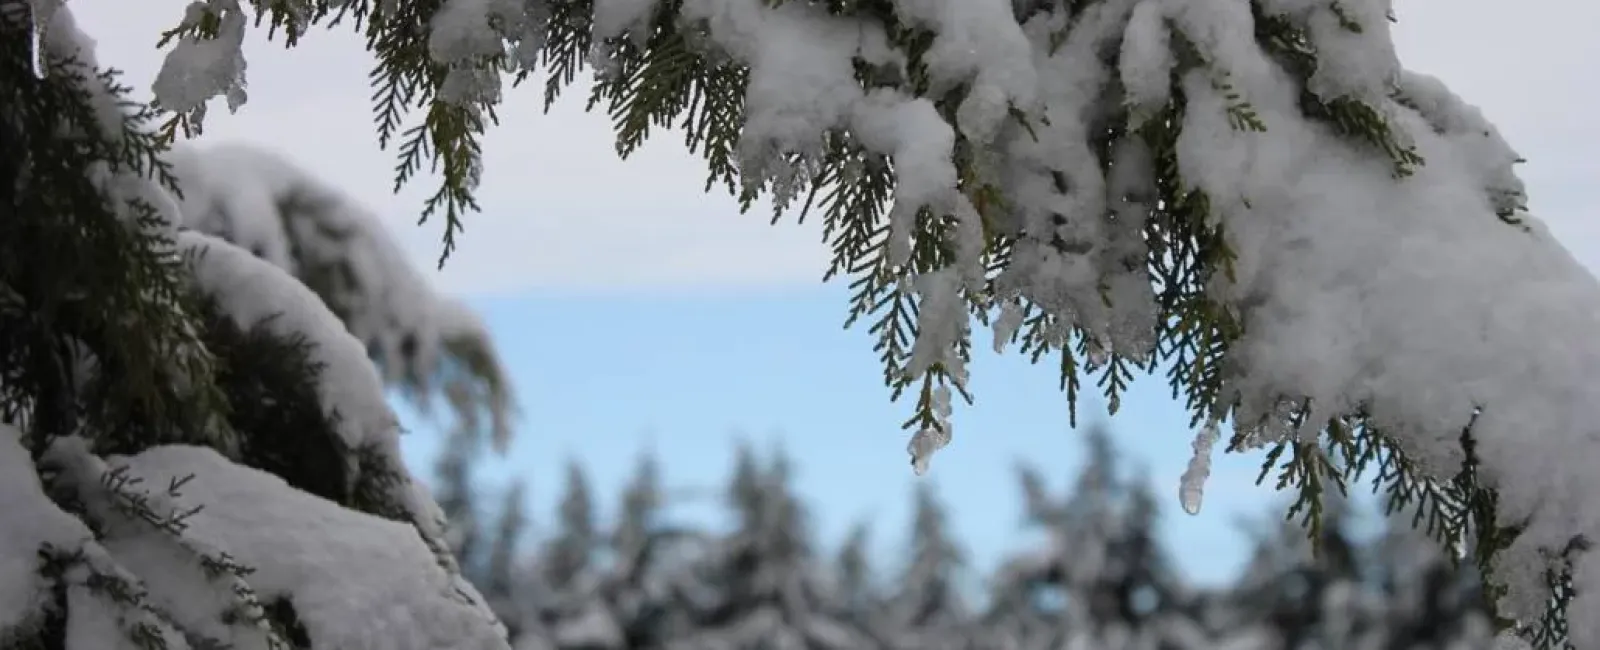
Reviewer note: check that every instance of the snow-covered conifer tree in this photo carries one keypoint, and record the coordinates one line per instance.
(649, 583)
(1395, 591)
(856, 583)
(640, 511)
(1254, 196)
(1314, 592)
(196, 451)
(1431, 602)
(926, 608)
(580, 618)
(769, 588)
(502, 575)
(457, 498)
(1102, 580)
(568, 558)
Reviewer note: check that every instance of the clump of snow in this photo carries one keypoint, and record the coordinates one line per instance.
(977, 42)
(463, 36)
(1357, 55)
(198, 69)
(199, 544)
(462, 30)
(1146, 63)
(59, 42)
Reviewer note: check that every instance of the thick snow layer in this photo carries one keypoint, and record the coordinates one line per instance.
(356, 581)
(254, 293)
(282, 213)
(28, 520)
(137, 527)
(171, 520)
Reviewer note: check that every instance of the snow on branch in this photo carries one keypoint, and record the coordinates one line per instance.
(427, 343)
(115, 532)
(257, 294)
(254, 292)
(356, 581)
(1253, 194)
(188, 546)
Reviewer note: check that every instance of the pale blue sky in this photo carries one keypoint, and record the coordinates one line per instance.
(603, 377)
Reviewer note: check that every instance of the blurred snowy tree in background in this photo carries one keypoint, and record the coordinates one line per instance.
(1101, 580)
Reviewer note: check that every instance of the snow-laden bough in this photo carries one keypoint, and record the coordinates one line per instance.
(1378, 261)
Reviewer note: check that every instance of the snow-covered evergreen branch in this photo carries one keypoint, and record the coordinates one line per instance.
(1252, 194)
(195, 451)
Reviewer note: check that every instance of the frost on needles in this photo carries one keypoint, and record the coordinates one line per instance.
(1320, 247)
(195, 446)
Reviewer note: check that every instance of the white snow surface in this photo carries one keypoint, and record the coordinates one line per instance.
(254, 292)
(30, 520)
(1406, 297)
(356, 581)
(280, 212)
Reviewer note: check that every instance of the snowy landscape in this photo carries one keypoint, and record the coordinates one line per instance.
(1329, 256)
(1098, 579)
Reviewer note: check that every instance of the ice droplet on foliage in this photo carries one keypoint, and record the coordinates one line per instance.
(1192, 486)
(1007, 324)
(931, 438)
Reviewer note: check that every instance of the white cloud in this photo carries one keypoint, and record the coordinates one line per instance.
(562, 212)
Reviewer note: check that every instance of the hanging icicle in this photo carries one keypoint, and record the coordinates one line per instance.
(1192, 485)
(38, 21)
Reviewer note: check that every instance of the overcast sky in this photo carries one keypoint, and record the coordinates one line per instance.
(561, 212)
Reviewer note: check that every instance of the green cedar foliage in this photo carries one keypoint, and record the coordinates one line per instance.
(666, 80)
(106, 348)
(85, 272)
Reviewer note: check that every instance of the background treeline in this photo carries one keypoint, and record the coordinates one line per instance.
(1100, 580)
